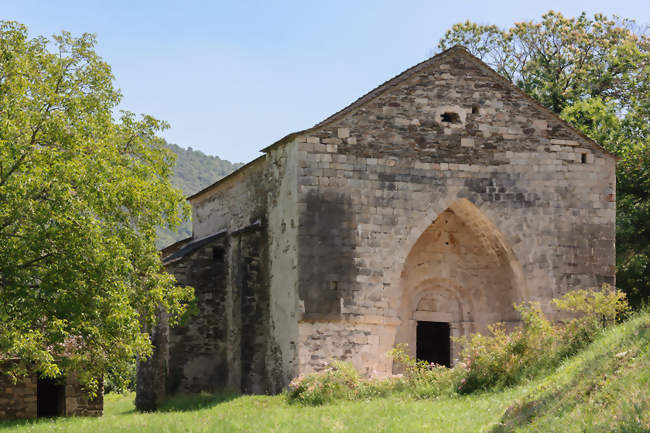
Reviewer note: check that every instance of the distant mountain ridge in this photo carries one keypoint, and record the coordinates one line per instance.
(194, 170)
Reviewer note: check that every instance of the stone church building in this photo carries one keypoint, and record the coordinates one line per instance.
(423, 210)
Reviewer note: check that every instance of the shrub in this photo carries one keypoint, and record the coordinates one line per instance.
(339, 381)
(422, 379)
(594, 310)
(114, 382)
(503, 359)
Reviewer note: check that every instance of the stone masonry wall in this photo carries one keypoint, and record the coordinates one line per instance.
(151, 374)
(237, 202)
(198, 349)
(445, 195)
(371, 181)
(243, 335)
(225, 344)
(17, 401)
(20, 400)
(77, 401)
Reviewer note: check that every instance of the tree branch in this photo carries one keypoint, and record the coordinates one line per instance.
(33, 261)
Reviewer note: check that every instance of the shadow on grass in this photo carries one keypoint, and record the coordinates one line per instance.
(16, 422)
(7, 424)
(190, 402)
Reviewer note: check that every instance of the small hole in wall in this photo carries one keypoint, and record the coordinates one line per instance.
(474, 109)
(583, 158)
(450, 117)
(219, 255)
(334, 285)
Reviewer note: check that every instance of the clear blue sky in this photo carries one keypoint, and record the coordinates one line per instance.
(233, 77)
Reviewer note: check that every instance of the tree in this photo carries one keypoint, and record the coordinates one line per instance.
(594, 73)
(81, 196)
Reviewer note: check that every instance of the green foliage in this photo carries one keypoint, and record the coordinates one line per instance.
(340, 381)
(193, 171)
(561, 61)
(501, 359)
(120, 381)
(633, 221)
(422, 379)
(81, 196)
(594, 310)
(594, 73)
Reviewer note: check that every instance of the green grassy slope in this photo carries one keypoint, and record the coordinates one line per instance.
(194, 171)
(604, 389)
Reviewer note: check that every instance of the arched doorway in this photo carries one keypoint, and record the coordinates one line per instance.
(459, 276)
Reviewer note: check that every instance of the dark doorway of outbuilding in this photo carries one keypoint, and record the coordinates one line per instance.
(433, 343)
(50, 397)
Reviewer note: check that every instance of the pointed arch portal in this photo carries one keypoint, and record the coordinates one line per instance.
(460, 275)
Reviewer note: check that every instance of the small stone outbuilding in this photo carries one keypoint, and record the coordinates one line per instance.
(422, 211)
(36, 397)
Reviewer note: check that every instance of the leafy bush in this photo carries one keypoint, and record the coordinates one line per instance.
(500, 359)
(422, 379)
(120, 381)
(594, 310)
(340, 381)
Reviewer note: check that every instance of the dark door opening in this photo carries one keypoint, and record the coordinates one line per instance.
(50, 397)
(433, 343)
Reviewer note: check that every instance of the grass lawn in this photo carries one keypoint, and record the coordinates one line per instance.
(273, 414)
(605, 388)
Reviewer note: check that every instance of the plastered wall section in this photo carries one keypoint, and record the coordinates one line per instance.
(372, 181)
(283, 254)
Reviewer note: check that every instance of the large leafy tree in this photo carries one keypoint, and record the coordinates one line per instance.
(81, 196)
(593, 72)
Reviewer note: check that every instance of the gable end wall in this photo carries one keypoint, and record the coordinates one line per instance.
(370, 182)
